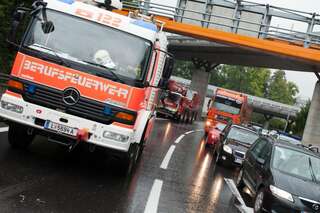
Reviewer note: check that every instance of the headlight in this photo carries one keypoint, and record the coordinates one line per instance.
(208, 123)
(115, 136)
(281, 193)
(227, 149)
(11, 107)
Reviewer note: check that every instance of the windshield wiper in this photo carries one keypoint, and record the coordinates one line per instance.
(102, 74)
(61, 60)
(312, 172)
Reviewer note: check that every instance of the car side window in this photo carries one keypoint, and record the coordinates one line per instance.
(265, 151)
(258, 148)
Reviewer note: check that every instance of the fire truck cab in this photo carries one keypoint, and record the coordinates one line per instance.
(85, 74)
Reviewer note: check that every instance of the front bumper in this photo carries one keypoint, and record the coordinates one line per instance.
(274, 204)
(33, 113)
(231, 159)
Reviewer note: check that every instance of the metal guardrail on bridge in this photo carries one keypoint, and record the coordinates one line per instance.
(236, 17)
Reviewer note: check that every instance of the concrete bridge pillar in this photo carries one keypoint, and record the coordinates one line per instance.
(200, 79)
(311, 134)
(267, 121)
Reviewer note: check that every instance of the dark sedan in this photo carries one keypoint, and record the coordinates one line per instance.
(234, 143)
(283, 177)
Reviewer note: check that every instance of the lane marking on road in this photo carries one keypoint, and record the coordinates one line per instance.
(154, 196)
(192, 131)
(242, 207)
(179, 139)
(4, 129)
(165, 162)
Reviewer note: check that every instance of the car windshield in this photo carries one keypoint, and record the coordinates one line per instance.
(283, 138)
(226, 105)
(88, 42)
(220, 126)
(296, 163)
(242, 135)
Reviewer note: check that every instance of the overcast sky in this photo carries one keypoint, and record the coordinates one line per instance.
(305, 81)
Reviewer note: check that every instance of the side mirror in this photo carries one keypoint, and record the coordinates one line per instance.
(222, 135)
(261, 161)
(17, 17)
(168, 67)
(47, 27)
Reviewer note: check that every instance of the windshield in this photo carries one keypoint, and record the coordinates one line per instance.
(226, 105)
(296, 163)
(174, 97)
(87, 42)
(242, 135)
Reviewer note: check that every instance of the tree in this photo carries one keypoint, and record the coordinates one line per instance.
(280, 89)
(301, 119)
(183, 69)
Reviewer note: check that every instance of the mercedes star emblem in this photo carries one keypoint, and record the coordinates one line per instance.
(71, 96)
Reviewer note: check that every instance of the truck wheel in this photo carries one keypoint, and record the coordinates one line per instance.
(20, 136)
(130, 159)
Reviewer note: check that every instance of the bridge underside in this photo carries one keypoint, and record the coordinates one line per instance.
(188, 48)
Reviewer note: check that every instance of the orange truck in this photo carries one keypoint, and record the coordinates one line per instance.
(85, 74)
(227, 106)
(179, 103)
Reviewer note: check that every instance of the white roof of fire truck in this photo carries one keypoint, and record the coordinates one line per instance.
(135, 26)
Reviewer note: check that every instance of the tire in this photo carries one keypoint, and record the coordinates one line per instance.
(20, 136)
(258, 201)
(240, 183)
(183, 119)
(130, 159)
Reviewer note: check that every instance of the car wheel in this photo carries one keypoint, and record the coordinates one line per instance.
(20, 136)
(240, 183)
(218, 159)
(258, 202)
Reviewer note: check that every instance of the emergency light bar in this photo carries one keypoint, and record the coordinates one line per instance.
(115, 4)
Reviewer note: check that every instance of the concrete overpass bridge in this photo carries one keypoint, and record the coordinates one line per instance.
(241, 33)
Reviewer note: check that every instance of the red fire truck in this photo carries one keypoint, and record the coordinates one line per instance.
(85, 74)
(179, 103)
(227, 106)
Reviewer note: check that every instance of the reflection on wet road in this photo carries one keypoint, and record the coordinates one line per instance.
(47, 178)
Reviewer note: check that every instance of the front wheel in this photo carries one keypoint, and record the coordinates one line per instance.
(20, 136)
(130, 159)
(258, 202)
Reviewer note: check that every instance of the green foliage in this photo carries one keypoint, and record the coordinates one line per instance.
(6, 10)
(280, 89)
(183, 69)
(301, 119)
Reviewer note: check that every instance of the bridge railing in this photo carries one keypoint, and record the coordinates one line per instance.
(241, 17)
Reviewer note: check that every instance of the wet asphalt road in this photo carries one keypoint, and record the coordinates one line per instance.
(46, 178)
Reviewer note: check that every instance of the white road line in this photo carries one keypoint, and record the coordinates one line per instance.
(4, 129)
(165, 162)
(154, 196)
(242, 207)
(179, 138)
(192, 131)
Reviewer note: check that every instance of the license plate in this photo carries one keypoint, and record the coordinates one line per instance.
(60, 128)
(238, 160)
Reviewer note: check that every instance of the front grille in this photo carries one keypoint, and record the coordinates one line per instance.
(85, 108)
(314, 205)
(239, 154)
